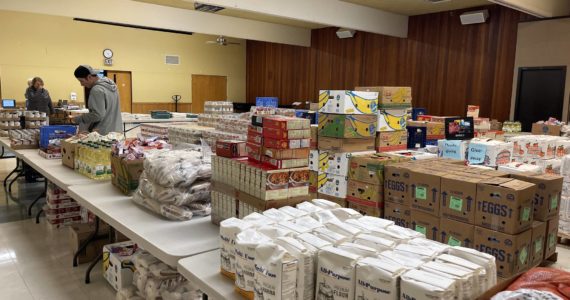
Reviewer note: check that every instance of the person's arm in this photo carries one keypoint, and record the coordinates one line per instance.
(96, 108)
(50, 105)
(28, 96)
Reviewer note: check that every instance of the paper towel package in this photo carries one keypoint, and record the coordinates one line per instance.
(275, 273)
(466, 281)
(481, 276)
(245, 245)
(306, 266)
(484, 260)
(378, 279)
(336, 274)
(550, 166)
(229, 230)
(520, 168)
(418, 284)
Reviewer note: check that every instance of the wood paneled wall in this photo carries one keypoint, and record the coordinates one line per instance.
(448, 65)
(146, 107)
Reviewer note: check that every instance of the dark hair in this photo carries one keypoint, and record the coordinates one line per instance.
(37, 79)
(82, 72)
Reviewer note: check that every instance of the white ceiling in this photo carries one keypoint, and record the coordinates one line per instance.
(419, 7)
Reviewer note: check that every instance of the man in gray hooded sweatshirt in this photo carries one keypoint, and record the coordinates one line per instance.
(104, 107)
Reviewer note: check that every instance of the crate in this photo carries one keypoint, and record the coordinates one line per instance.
(51, 132)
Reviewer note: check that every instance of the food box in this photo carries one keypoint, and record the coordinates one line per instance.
(281, 134)
(391, 95)
(79, 233)
(369, 168)
(253, 151)
(274, 183)
(286, 144)
(373, 209)
(299, 181)
(393, 119)
(118, 264)
(400, 214)
(391, 141)
(455, 233)
(426, 224)
(255, 138)
(489, 152)
(230, 148)
(396, 185)
(454, 149)
(425, 188)
(551, 237)
(417, 137)
(358, 190)
(68, 153)
(286, 153)
(547, 196)
(313, 181)
(333, 185)
(345, 145)
(458, 194)
(347, 126)
(538, 243)
(285, 163)
(348, 102)
(285, 123)
(543, 129)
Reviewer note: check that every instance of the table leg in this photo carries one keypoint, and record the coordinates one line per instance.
(38, 216)
(42, 195)
(91, 266)
(91, 238)
(16, 169)
(20, 174)
(4, 152)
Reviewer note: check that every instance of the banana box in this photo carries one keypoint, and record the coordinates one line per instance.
(394, 119)
(348, 102)
(391, 141)
(347, 126)
(337, 163)
(332, 185)
(391, 96)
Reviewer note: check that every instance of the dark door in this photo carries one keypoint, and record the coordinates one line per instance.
(540, 94)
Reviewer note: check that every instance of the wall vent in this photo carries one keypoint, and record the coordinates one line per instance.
(207, 7)
(437, 1)
(172, 59)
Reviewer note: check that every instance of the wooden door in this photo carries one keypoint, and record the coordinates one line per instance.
(207, 88)
(124, 82)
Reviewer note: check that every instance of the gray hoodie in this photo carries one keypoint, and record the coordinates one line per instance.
(104, 108)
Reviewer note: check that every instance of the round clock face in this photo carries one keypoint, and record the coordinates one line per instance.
(107, 53)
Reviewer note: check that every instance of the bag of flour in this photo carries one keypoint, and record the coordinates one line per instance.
(408, 261)
(405, 231)
(464, 278)
(246, 243)
(393, 236)
(277, 215)
(331, 236)
(376, 222)
(275, 273)
(313, 240)
(421, 251)
(324, 216)
(308, 207)
(360, 250)
(484, 260)
(378, 279)
(229, 230)
(418, 284)
(258, 220)
(480, 274)
(274, 231)
(375, 242)
(296, 228)
(308, 222)
(306, 266)
(336, 274)
(342, 228)
(295, 213)
(344, 214)
(436, 246)
(325, 204)
(364, 228)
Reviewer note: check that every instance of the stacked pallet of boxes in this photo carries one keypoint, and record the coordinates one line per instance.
(347, 124)
(274, 173)
(394, 105)
(60, 209)
(433, 127)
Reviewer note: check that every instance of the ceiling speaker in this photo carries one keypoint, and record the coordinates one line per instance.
(344, 33)
(474, 17)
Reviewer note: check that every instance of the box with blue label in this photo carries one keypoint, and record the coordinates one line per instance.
(393, 119)
(505, 205)
(348, 102)
(454, 149)
(491, 153)
(267, 101)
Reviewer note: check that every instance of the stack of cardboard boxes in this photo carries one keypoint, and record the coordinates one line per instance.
(433, 126)
(394, 105)
(347, 124)
(60, 209)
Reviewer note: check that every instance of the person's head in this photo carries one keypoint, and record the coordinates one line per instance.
(86, 75)
(37, 83)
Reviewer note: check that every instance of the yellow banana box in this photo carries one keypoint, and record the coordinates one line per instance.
(347, 126)
(331, 162)
(313, 181)
(394, 119)
(348, 102)
(332, 185)
(392, 141)
(391, 96)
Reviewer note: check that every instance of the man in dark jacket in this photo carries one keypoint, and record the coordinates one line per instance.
(38, 98)
(104, 107)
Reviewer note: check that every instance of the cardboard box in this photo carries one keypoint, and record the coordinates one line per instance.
(455, 233)
(538, 243)
(458, 194)
(336, 163)
(473, 111)
(274, 184)
(340, 201)
(389, 96)
(400, 214)
(392, 119)
(391, 141)
(396, 184)
(505, 205)
(489, 152)
(333, 185)
(425, 188)
(281, 134)
(512, 252)
(286, 144)
(551, 237)
(314, 160)
(68, 153)
(434, 130)
(358, 190)
(285, 163)
(118, 269)
(454, 149)
(369, 168)
(547, 195)
(425, 223)
(313, 181)
(314, 136)
(79, 233)
(125, 173)
(366, 208)
(285, 153)
(285, 123)
(348, 102)
(230, 148)
(543, 129)
(254, 138)
(345, 145)
(347, 126)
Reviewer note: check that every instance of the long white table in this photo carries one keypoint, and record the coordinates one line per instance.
(203, 270)
(138, 122)
(54, 170)
(168, 240)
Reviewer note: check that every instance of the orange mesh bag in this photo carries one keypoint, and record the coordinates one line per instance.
(544, 279)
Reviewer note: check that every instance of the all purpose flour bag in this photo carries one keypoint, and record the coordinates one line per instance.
(344, 214)
(485, 260)
(481, 284)
(422, 285)
(246, 243)
(275, 273)
(433, 245)
(377, 222)
(330, 236)
(378, 279)
(325, 204)
(293, 212)
(229, 230)
(464, 278)
(306, 266)
(336, 274)
(308, 222)
(375, 242)
(308, 207)
(274, 231)
(360, 250)
(342, 228)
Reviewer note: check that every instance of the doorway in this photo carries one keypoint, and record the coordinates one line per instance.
(540, 95)
(124, 83)
(207, 88)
